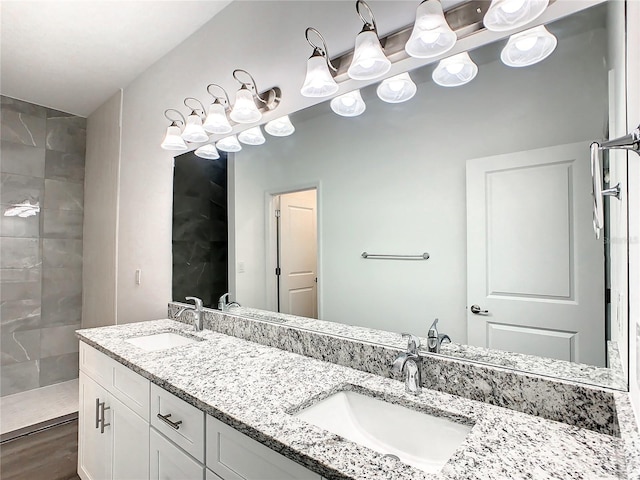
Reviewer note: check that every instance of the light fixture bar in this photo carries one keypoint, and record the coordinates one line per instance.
(464, 20)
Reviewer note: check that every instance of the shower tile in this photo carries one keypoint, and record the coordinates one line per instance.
(57, 253)
(19, 252)
(20, 106)
(20, 346)
(61, 296)
(22, 159)
(66, 134)
(19, 377)
(20, 189)
(64, 166)
(51, 113)
(58, 340)
(61, 224)
(15, 226)
(20, 284)
(22, 128)
(63, 195)
(58, 369)
(19, 315)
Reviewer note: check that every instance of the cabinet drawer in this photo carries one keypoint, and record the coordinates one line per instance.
(168, 462)
(234, 456)
(131, 389)
(188, 422)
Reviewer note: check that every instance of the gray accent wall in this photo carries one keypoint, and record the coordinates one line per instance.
(42, 162)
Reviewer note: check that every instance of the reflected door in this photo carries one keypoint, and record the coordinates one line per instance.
(535, 272)
(298, 252)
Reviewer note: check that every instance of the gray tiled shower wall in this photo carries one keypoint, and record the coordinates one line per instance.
(42, 155)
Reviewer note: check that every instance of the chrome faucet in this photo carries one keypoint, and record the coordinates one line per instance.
(195, 311)
(435, 339)
(224, 304)
(409, 364)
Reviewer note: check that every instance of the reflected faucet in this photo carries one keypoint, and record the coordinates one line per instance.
(224, 304)
(195, 311)
(435, 339)
(409, 364)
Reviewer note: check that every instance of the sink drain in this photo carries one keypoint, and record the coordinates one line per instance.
(389, 455)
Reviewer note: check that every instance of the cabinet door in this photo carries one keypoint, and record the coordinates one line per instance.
(168, 462)
(94, 445)
(130, 443)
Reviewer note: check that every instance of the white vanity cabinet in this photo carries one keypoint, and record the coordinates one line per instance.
(113, 426)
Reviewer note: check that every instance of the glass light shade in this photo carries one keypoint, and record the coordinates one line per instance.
(508, 14)
(280, 127)
(193, 131)
(252, 136)
(207, 151)
(455, 71)
(229, 144)
(348, 105)
(245, 109)
(216, 121)
(173, 140)
(397, 89)
(318, 82)
(528, 47)
(369, 61)
(431, 35)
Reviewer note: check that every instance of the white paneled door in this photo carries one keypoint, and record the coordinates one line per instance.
(535, 274)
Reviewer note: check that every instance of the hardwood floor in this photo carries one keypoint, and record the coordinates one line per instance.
(51, 454)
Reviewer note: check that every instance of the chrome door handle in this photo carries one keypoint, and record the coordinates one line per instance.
(165, 419)
(477, 310)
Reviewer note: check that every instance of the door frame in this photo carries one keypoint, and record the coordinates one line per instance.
(270, 242)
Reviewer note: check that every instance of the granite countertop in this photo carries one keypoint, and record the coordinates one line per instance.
(255, 389)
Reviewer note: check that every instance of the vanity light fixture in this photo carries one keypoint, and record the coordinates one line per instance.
(193, 131)
(245, 109)
(207, 151)
(431, 35)
(348, 105)
(280, 127)
(528, 47)
(229, 144)
(252, 136)
(505, 15)
(455, 71)
(173, 139)
(369, 61)
(216, 121)
(319, 81)
(397, 89)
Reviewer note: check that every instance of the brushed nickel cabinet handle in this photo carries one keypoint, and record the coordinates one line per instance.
(97, 412)
(165, 419)
(102, 407)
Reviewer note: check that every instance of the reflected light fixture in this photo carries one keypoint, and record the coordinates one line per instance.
(245, 109)
(173, 138)
(216, 121)
(397, 89)
(22, 210)
(505, 15)
(431, 35)
(193, 131)
(319, 81)
(369, 61)
(207, 151)
(455, 71)
(252, 136)
(528, 47)
(229, 144)
(280, 127)
(348, 105)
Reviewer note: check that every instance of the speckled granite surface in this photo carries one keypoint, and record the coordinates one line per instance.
(253, 387)
(573, 403)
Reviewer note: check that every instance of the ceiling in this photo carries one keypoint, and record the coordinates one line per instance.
(72, 55)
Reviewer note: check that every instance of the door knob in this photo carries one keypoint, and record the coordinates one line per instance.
(477, 310)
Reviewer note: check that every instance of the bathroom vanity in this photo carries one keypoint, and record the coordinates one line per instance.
(161, 400)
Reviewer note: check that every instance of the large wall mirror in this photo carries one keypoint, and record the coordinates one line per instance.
(491, 179)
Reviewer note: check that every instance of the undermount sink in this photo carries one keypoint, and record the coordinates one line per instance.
(161, 341)
(419, 439)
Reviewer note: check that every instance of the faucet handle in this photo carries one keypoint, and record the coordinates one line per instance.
(413, 342)
(197, 301)
(433, 329)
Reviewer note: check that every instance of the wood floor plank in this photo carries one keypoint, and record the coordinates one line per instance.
(51, 454)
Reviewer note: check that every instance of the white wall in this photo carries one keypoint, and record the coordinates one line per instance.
(393, 181)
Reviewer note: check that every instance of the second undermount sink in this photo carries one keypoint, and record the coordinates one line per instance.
(419, 439)
(161, 341)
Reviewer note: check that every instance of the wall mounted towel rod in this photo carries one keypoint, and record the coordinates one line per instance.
(628, 142)
(423, 256)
